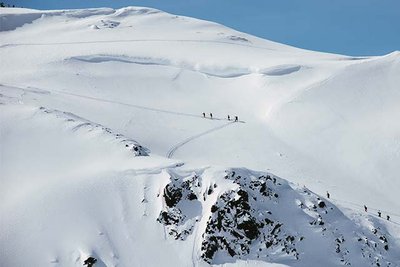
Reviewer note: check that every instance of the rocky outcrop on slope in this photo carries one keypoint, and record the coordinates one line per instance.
(239, 223)
(182, 207)
(260, 216)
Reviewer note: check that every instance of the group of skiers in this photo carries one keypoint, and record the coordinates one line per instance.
(379, 213)
(365, 208)
(229, 117)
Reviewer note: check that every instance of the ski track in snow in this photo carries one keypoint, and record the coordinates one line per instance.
(47, 92)
(42, 91)
(129, 105)
(173, 149)
(136, 40)
(360, 208)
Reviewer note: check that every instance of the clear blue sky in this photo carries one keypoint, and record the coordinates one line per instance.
(351, 27)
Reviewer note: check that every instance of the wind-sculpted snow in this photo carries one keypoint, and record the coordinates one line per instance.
(129, 11)
(261, 217)
(281, 70)
(217, 71)
(77, 123)
(18, 18)
(85, 13)
(123, 59)
(9, 22)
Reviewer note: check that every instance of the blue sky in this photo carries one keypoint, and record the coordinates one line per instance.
(351, 27)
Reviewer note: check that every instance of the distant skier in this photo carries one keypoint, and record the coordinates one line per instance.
(229, 118)
(388, 217)
(90, 261)
(365, 208)
(379, 213)
(236, 118)
(327, 194)
(204, 114)
(210, 115)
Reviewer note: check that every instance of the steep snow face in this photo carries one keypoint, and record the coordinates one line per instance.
(96, 104)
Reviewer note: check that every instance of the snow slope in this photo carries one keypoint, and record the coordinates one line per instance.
(101, 107)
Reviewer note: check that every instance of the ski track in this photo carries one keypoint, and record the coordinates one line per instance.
(136, 40)
(129, 105)
(48, 92)
(360, 208)
(42, 91)
(173, 149)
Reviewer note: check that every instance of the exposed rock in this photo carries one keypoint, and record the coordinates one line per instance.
(176, 193)
(250, 219)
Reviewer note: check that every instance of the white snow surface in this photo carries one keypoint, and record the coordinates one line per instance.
(83, 91)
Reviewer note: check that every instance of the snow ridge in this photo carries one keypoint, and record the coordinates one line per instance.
(77, 123)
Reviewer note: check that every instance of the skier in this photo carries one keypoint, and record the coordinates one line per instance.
(204, 115)
(327, 194)
(210, 115)
(229, 118)
(90, 261)
(365, 208)
(236, 118)
(379, 213)
(388, 217)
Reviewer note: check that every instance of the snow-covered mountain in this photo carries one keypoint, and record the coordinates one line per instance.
(105, 151)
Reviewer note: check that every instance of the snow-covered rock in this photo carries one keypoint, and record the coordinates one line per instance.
(262, 217)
